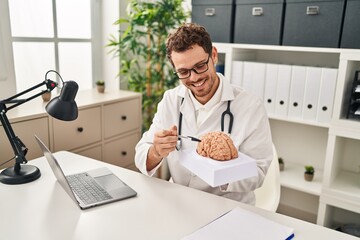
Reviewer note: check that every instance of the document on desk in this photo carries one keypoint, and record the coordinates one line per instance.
(242, 224)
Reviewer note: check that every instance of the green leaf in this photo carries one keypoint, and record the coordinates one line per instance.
(134, 50)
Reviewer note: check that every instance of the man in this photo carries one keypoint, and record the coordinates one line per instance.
(195, 108)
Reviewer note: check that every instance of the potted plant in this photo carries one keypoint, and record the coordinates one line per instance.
(309, 173)
(100, 85)
(46, 96)
(281, 164)
(142, 50)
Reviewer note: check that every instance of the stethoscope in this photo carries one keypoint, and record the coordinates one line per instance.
(223, 115)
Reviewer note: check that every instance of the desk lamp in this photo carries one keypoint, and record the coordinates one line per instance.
(62, 107)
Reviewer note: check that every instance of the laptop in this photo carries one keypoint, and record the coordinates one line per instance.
(89, 189)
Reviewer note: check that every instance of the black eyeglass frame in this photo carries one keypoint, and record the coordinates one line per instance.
(194, 69)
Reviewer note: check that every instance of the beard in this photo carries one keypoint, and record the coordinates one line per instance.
(209, 86)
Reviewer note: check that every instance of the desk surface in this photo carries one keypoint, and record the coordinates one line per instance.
(162, 210)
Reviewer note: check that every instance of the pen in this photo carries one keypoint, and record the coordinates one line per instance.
(190, 138)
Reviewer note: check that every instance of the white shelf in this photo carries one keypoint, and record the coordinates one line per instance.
(299, 121)
(348, 183)
(293, 177)
(347, 128)
(224, 47)
(332, 148)
(344, 192)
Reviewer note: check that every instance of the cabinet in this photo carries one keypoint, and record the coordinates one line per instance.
(333, 147)
(40, 126)
(107, 128)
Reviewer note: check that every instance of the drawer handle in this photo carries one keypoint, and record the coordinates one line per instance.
(209, 12)
(80, 129)
(257, 11)
(312, 10)
(124, 153)
(123, 117)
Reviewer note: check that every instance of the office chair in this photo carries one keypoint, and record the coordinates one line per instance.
(268, 195)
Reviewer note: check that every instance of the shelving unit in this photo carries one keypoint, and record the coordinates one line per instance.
(333, 148)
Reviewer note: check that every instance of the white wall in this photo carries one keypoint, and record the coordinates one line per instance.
(7, 72)
(111, 66)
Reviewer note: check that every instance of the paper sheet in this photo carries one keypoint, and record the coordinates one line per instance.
(242, 224)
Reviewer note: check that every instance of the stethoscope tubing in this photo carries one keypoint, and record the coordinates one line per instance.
(223, 115)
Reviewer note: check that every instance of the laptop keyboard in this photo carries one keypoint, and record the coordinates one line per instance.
(87, 189)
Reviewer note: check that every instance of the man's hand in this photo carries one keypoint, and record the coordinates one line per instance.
(164, 143)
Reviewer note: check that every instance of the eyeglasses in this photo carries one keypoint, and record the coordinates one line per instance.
(198, 69)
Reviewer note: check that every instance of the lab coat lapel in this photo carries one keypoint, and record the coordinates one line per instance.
(227, 90)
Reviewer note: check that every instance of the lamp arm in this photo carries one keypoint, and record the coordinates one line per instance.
(50, 85)
(18, 146)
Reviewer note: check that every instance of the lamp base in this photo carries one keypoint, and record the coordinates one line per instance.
(27, 173)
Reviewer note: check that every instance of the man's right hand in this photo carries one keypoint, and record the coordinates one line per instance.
(164, 143)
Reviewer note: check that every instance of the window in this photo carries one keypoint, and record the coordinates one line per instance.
(55, 34)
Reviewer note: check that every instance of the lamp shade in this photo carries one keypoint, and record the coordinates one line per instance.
(64, 106)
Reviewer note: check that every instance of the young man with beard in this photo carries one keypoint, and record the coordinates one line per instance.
(195, 108)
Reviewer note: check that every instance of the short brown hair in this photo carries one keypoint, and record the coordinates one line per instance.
(185, 37)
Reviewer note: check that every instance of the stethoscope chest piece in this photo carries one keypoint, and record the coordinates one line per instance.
(178, 144)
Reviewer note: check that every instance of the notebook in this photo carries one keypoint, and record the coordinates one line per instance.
(89, 189)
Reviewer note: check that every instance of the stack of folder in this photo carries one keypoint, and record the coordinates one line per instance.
(299, 92)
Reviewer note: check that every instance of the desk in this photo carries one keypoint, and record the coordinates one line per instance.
(162, 210)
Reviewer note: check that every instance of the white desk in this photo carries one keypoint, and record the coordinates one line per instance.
(42, 210)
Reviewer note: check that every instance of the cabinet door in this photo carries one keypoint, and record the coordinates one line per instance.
(86, 129)
(25, 130)
(121, 117)
(92, 152)
(121, 152)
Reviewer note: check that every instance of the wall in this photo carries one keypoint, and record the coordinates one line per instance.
(7, 72)
(110, 13)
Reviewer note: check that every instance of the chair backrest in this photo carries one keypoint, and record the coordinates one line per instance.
(268, 195)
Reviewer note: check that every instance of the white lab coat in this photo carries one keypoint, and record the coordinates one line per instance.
(250, 134)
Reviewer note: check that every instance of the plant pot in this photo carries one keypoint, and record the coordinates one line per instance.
(101, 88)
(281, 166)
(46, 96)
(308, 176)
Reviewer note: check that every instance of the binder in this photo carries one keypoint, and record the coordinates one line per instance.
(254, 77)
(312, 88)
(271, 75)
(258, 79)
(237, 73)
(247, 75)
(282, 90)
(327, 94)
(297, 89)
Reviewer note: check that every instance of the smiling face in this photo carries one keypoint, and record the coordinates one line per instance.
(203, 86)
